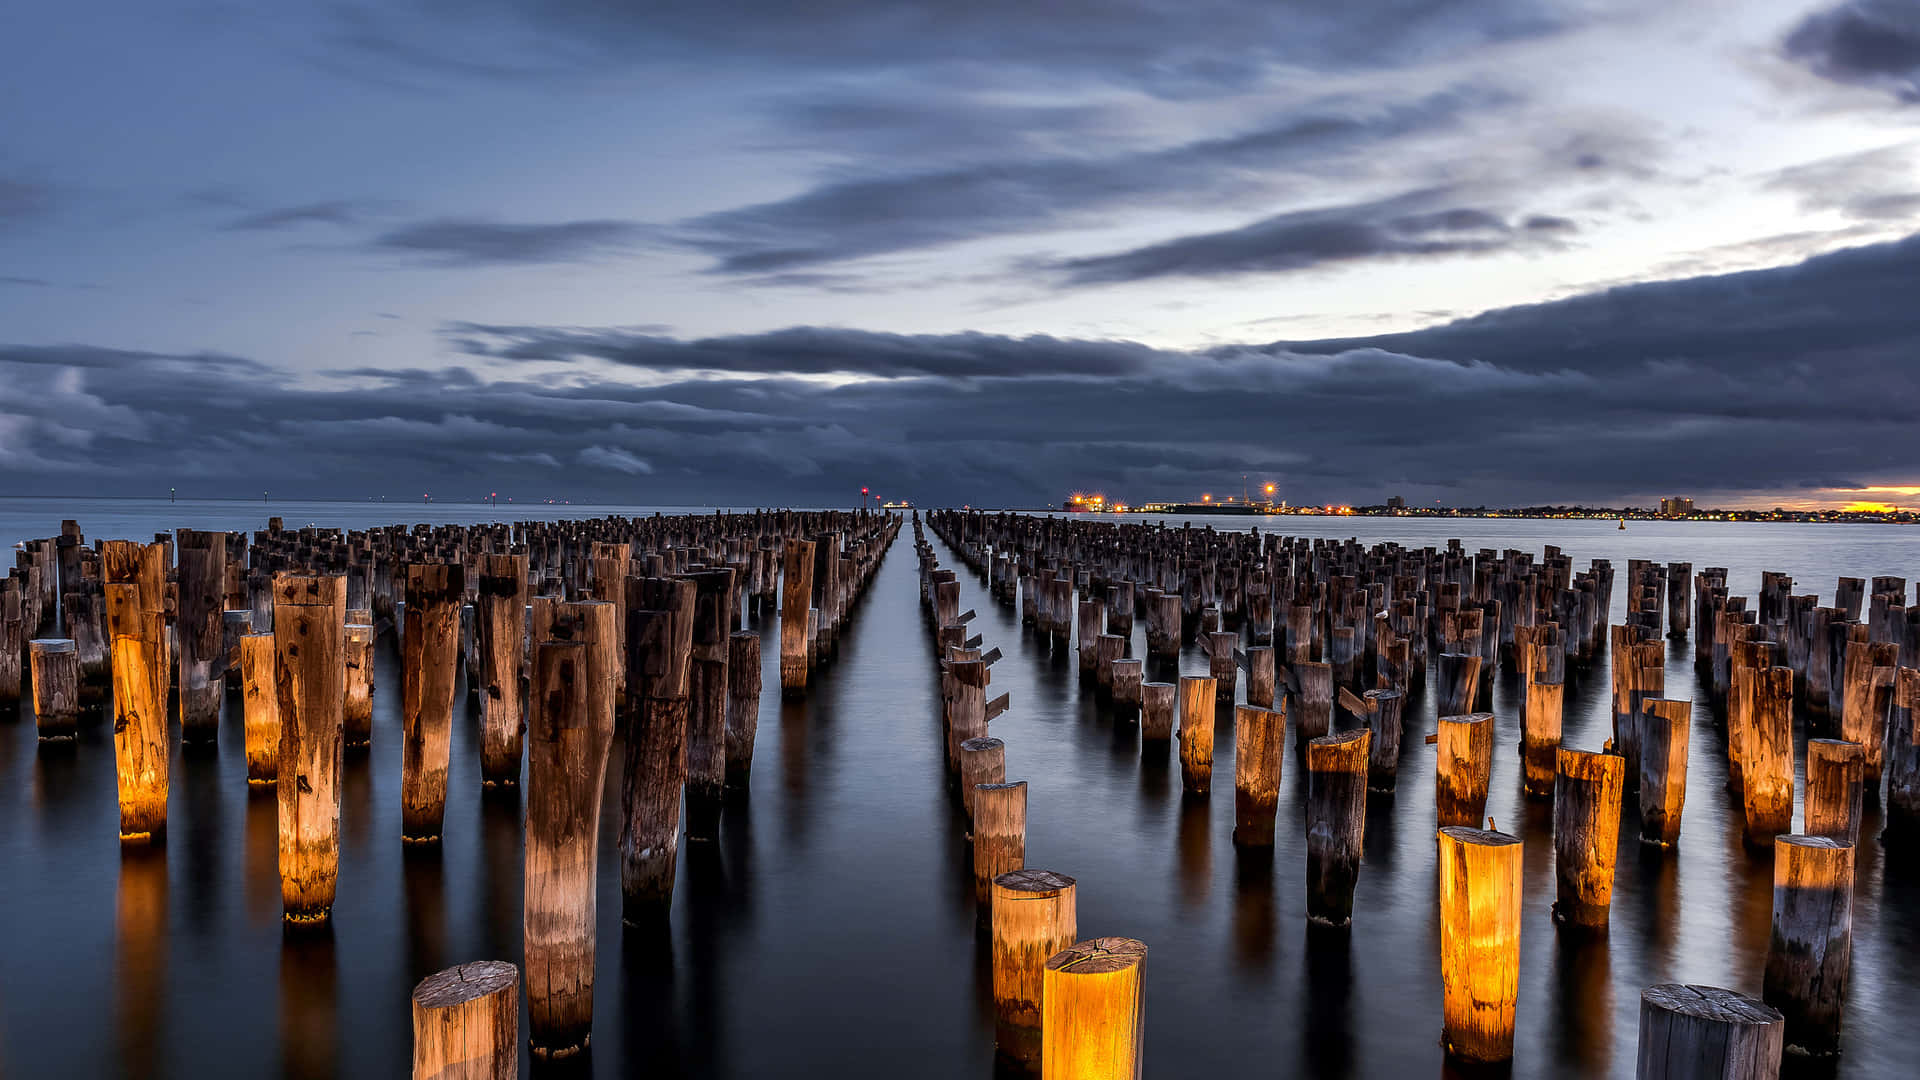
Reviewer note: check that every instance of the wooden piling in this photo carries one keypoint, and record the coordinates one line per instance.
(1807, 956)
(1127, 681)
(466, 1023)
(1457, 683)
(356, 714)
(1464, 769)
(1706, 1033)
(796, 593)
(983, 760)
(429, 657)
(659, 644)
(1093, 1011)
(1312, 700)
(743, 705)
(707, 704)
(261, 705)
(1540, 736)
(1156, 712)
(202, 595)
(1903, 757)
(1586, 835)
(1033, 918)
(55, 664)
(1479, 941)
(1664, 736)
(1835, 770)
(1767, 775)
(1259, 741)
(999, 836)
(500, 625)
(1336, 822)
(309, 638)
(1260, 676)
(140, 747)
(1384, 719)
(1196, 733)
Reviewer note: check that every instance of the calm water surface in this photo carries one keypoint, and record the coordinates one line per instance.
(832, 933)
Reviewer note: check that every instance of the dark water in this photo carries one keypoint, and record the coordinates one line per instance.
(831, 931)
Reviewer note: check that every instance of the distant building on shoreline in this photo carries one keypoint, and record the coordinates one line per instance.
(1676, 506)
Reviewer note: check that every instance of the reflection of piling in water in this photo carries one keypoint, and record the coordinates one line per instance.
(1479, 941)
(1336, 822)
(1033, 918)
(466, 1023)
(309, 628)
(1094, 1010)
(1807, 955)
(1586, 830)
(309, 996)
(1689, 1032)
(140, 960)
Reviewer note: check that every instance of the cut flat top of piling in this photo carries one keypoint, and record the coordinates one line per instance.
(1810, 841)
(1710, 1002)
(1340, 738)
(1031, 880)
(984, 742)
(1099, 956)
(1483, 837)
(464, 982)
(1467, 718)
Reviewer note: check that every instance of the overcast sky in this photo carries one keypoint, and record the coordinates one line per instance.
(1483, 251)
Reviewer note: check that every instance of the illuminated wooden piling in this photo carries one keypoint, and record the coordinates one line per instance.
(566, 769)
(1127, 678)
(1196, 733)
(999, 836)
(1664, 736)
(1767, 776)
(659, 645)
(743, 704)
(500, 627)
(1586, 834)
(198, 630)
(357, 707)
(1869, 691)
(1336, 822)
(1260, 742)
(1540, 736)
(1156, 713)
(138, 652)
(55, 665)
(309, 638)
(1457, 683)
(1033, 918)
(1093, 1019)
(966, 706)
(983, 760)
(429, 658)
(1479, 941)
(1706, 1033)
(1312, 704)
(1465, 767)
(466, 1023)
(1835, 791)
(261, 704)
(1807, 956)
(796, 593)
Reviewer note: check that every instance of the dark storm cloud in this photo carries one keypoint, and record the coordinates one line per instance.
(1304, 239)
(336, 212)
(1873, 43)
(891, 212)
(472, 242)
(1794, 377)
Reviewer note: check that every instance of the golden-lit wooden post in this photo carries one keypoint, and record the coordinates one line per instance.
(55, 663)
(1835, 789)
(138, 656)
(982, 761)
(1767, 773)
(1706, 1033)
(466, 1023)
(796, 594)
(1664, 735)
(999, 836)
(500, 625)
(1033, 918)
(309, 632)
(1479, 941)
(356, 716)
(1336, 822)
(429, 659)
(1092, 1006)
(1260, 743)
(1807, 957)
(1540, 737)
(1196, 733)
(1465, 768)
(262, 708)
(1586, 835)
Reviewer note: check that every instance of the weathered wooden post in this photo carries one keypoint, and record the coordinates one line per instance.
(1807, 957)
(356, 713)
(1260, 741)
(1033, 918)
(1903, 757)
(659, 653)
(1664, 735)
(1156, 714)
(999, 836)
(500, 625)
(13, 644)
(1586, 836)
(466, 1023)
(1312, 705)
(55, 663)
(309, 634)
(1706, 1033)
(1336, 823)
(1834, 789)
(1457, 683)
(982, 761)
(1465, 767)
(743, 705)
(1479, 941)
(429, 657)
(1767, 775)
(1260, 676)
(1196, 733)
(1093, 1016)
(566, 769)
(796, 593)
(262, 708)
(1540, 736)
(1127, 680)
(707, 704)
(140, 750)
(203, 571)
(1384, 720)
